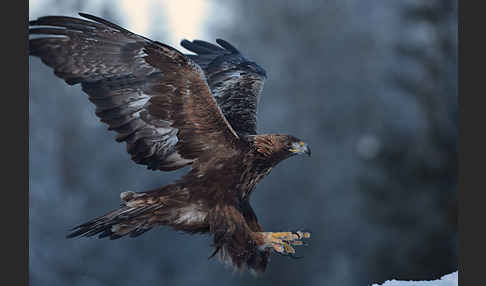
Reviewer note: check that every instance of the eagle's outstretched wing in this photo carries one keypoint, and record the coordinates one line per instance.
(153, 96)
(235, 82)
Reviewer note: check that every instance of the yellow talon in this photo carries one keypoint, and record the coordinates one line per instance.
(288, 248)
(285, 235)
(278, 247)
(282, 242)
(303, 234)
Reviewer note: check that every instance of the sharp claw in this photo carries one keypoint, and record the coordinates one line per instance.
(288, 248)
(308, 232)
(283, 243)
(296, 233)
(301, 234)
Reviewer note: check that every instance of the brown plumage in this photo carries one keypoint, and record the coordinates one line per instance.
(174, 110)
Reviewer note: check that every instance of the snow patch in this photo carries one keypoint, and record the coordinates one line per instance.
(446, 280)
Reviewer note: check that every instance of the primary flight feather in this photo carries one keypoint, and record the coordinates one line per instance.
(172, 110)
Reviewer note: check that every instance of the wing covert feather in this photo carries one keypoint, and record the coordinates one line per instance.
(154, 97)
(235, 82)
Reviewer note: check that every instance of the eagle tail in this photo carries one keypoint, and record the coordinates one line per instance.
(138, 214)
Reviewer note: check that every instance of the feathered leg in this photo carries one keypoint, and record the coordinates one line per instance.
(280, 242)
(239, 245)
(235, 242)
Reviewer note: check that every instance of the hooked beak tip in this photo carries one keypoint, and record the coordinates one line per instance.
(308, 151)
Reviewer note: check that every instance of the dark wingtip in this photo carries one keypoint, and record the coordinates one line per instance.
(185, 43)
(199, 47)
(227, 46)
(104, 22)
(98, 19)
(86, 15)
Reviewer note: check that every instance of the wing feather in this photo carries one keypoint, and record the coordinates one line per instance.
(154, 97)
(235, 82)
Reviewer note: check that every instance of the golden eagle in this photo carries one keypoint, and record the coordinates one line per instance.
(174, 110)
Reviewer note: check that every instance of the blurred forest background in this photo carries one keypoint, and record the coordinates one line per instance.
(371, 85)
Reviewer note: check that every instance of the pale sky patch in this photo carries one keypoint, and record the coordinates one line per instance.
(168, 21)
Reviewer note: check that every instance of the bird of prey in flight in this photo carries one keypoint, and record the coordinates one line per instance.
(173, 110)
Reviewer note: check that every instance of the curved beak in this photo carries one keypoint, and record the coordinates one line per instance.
(301, 148)
(307, 150)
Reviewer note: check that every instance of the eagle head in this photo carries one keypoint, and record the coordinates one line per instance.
(298, 147)
(280, 147)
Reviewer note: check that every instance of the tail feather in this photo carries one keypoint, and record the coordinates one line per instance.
(138, 214)
(118, 223)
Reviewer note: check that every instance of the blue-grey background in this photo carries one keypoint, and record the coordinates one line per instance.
(371, 85)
